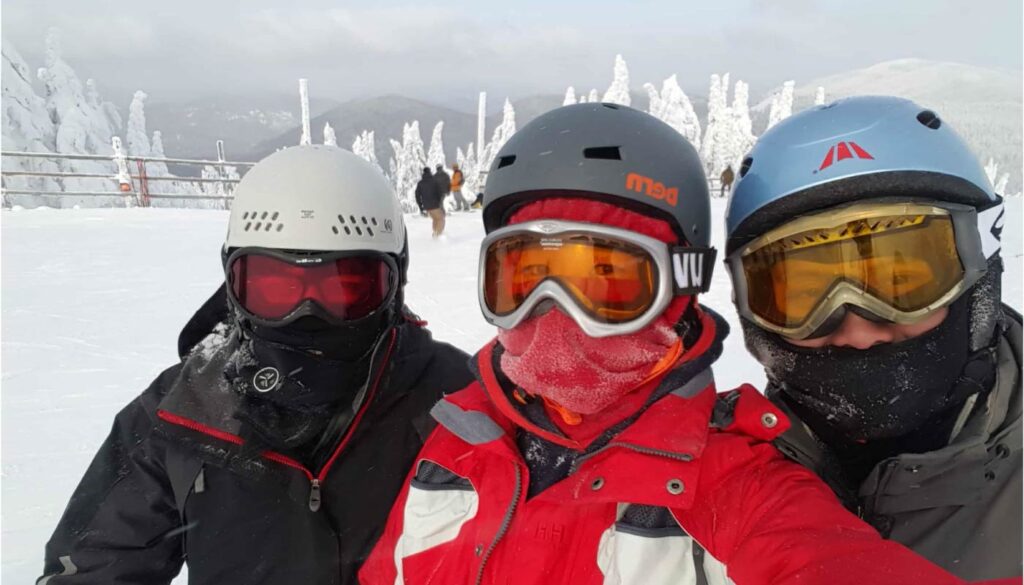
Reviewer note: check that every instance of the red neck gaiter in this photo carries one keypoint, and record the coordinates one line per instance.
(590, 383)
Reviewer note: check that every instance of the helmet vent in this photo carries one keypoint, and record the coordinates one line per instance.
(359, 231)
(602, 152)
(259, 224)
(506, 161)
(348, 232)
(929, 119)
(248, 225)
(352, 218)
(611, 106)
(745, 166)
(369, 230)
(373, 220)
(280, 226)
(334, 229)
(341, 218)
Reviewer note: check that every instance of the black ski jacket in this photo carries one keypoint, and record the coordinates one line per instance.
(428, 193)
(174, 482)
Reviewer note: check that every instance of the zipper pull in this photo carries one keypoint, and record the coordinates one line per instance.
(314, 495)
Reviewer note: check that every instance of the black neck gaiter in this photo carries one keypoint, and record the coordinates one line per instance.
(892, 398)
(295, 380)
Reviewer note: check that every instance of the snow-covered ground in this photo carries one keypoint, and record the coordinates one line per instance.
(93, 300)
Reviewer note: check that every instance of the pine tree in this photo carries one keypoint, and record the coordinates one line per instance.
(782, 104)
(435, 154)
(330, 139)
(135, 135)
(673, 107)
(570, 96)
(618, 91)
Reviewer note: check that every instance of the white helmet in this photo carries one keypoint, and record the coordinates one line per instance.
(316, 198)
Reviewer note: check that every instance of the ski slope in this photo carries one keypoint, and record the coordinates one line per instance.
(93, 300)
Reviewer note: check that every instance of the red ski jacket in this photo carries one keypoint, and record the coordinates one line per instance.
(692, 491)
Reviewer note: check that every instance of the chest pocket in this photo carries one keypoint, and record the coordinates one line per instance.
(438, 505)
(647, 546)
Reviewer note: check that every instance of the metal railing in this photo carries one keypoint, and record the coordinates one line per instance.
(133, 188)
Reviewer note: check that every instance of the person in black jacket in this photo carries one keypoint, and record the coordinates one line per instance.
(429, 194)
(273, 451)
(444, 183)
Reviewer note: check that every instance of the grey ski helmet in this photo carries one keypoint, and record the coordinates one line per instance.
(605, 152)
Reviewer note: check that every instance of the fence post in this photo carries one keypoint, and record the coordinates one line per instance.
(124, 179)
(143, 193)
(223, 189)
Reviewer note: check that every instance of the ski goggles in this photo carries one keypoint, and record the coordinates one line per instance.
(272, 287)
(609, 281)
(892, 262)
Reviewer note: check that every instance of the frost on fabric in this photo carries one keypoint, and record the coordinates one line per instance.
(213, 342)
(550, 356)
(986, 309)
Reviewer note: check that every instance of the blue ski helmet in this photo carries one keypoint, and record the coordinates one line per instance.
(852, 149)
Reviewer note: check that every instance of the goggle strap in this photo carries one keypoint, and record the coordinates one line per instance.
(990, 228)
(692, 268)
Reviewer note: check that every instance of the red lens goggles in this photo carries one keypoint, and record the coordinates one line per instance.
(277, 287)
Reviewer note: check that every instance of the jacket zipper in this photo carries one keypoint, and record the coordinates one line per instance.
(315, 482)
(644, 450)
(505, 523)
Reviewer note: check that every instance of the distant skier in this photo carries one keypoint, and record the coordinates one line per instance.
(592, 448)
(429, 195)
(865, 239)
(456, 188)
(726, 179)
(272, 453)
(444, 183)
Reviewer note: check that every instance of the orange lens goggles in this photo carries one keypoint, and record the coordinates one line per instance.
(908, 261)
(611, 280)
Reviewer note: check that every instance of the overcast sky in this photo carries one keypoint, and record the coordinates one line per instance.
(447, 51)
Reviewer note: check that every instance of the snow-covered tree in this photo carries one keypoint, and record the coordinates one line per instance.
(435, 154)
(26, 126)
(470, 170)
(742, 129)
(716, 129)
(819, 96)
(365, 147)
(592, 97)
(502, 133)
(80, 127)
(782, 104)
(135, 135)
(330, 138)
(673, 107)
(570, 96)
(409, 161)
(618, 91)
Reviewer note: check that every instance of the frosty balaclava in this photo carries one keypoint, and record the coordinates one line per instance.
(550, 356)
(905, 395)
